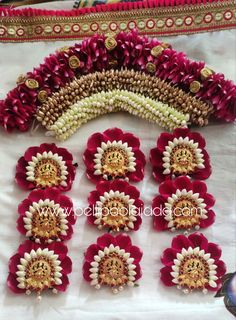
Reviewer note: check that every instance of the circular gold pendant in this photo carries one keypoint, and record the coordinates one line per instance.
(186, 213)
(47, 173)
(114, 162)
(183, 160)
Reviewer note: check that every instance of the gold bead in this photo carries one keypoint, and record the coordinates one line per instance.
(195, 86)
(157, 51)
(151, 67)
(42, 96)
(64, 49)
(110, 43)
(206, 72)
(21, 79)
(32, 83)
(74, 62)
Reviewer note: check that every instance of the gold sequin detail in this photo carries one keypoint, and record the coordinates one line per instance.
(195, 86)
(110, 43)
(42, 96)
(21, 79)
(151, 67)
(206, 72)
(32, 83)
(157, 51)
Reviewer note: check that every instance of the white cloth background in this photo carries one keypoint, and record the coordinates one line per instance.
(151, 299)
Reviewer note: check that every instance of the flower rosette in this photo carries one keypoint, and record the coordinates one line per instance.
(112, 262)
(182, 204)
(45, 166)
(36, 268)
(115, 205)
(192, 263)
(46, 216)
(180, 153)
(114, 154)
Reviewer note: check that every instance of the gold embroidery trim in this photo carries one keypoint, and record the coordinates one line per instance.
(152, 21)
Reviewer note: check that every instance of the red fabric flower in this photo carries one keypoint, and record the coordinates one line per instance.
(112, 261)
(46, 216)
(115, 205)
(183, 204)
(193, 263)
(180, 153)
(35, 268)
(114, 154)
(45, 166)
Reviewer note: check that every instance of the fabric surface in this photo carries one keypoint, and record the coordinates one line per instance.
(151, 300)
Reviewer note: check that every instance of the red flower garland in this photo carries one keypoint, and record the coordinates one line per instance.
(131, 51)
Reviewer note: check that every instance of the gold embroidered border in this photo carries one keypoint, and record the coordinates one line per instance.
(164, 21)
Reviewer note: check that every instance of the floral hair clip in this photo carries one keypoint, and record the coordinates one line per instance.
(113, 262)
(35, 268)
(46, 216)
(115, 205)
(114, 154)
(182, 204)
(180, 153)
(124, 51)
(45, 166)
(192, 263)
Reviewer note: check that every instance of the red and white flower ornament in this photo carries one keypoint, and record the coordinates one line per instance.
(115, 205)
(180, 153)
(36, 268)
(45, 166)
(192, 263)
(114, 154)
(46, 216)
(182, 204)
(113, 262)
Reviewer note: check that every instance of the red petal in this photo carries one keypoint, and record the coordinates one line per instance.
(21, 165)
(113, 134)
(59, 248)
(66, 265)
(137, 223)
(181, 132)
(132, 192)
(48, 147)
(52, 194)
(131, 140)
(168, 256)
(138, 272)
(135, 253)
(24, 206)
(138, 174)
(118, 185)
(94, 178)
(12, 284)
(179, 242)
(209, 200)
(89, 159)
(94, 196)
(65, 154)
(166, 277)
(65, 282)
(105, 240)
(197, 137)
(221, 268)
(138, 154)
(159, 223)
(156, 158)
(13, 262)
(36, 195)
(91, 251)
(95, 141)
(163, 140)
(123, 241)
(214, 250)
(103, 186)
(30, 152)
(27, 246)
(21, 225)
(20, 179)
(167, 188)
(199, 187)
(159, 176)
(86, 272)
(198, 240)
(183, 183)
(66, 202)
(209, 221)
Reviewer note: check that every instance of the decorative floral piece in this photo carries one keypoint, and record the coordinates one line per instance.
(114, 154)
(46, 216)
(228, 291)
(45, 166)
(193, 263)
(180, 153)
(35, 268)
(115, 205)
(113, 101)
(112, 261)
(183, 204)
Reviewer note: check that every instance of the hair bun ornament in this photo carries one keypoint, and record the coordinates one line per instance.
(182, 204)
(61, 85)
(115, 205)
(46, 216)
(114, 154)
(113, 262)
(45, 166)
(36, 268)
(180, 153)
(192, 263)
